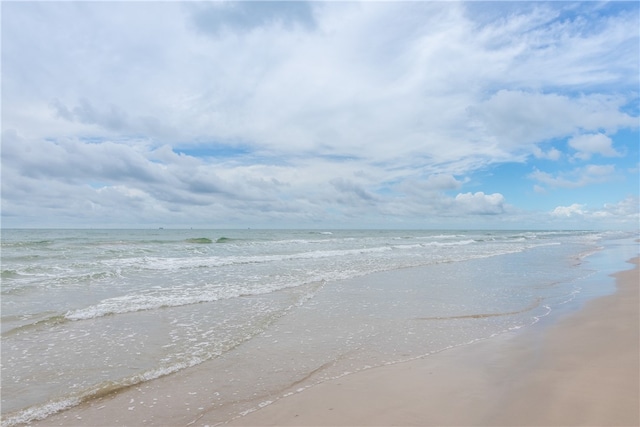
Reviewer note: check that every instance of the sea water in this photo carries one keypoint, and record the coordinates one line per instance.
(90, 312)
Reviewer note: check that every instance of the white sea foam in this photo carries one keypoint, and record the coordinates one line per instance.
(456, 243)
(172, 297)
(39, 412)
(163, 263)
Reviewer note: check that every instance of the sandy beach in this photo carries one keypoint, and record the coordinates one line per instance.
(577, 368)
(580, 371)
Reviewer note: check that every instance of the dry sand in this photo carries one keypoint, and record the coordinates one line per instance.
(583, 370)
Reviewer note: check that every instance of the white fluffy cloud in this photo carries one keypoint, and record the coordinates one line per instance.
(626, 212)
(628, 208)
(567, 211)
(589, 144)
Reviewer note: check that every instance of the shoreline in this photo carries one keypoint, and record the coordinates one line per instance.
(581, 370)
(488, 382)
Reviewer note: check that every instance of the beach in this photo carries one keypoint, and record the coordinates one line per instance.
(581, 371)
(537, 333)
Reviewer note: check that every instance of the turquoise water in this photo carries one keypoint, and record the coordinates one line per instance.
(85, 312)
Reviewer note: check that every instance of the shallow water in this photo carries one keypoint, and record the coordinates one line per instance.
(85, 312)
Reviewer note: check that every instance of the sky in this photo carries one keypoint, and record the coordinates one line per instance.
(474, 115)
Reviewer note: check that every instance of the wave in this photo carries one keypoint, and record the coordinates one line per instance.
(56, 319)
(107, 388)
(183, 295)
(199, 240)
(171, 264)
(26, 243)
(9, 274)
(40, 412)
(141, 302)
(435, 244)
(110, 387)
(29, 281)
(456, 243)
(173, 297)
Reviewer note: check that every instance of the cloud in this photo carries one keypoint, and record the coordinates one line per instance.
(215, 18)
(567, 211)
(539, 189)
(114, 119)
(74, 160)
(589, 144)
(342, 74)
(560, 46)
(432, 184)
(302, 112)
(625, 211)
(578, 177)
(351, 193)
(552, 154)
(520, 118)
(480, 203)
(627, 208)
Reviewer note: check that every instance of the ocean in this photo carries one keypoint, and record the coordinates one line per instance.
(86, 313)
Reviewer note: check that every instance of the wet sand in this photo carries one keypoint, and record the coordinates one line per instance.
(582, 370)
